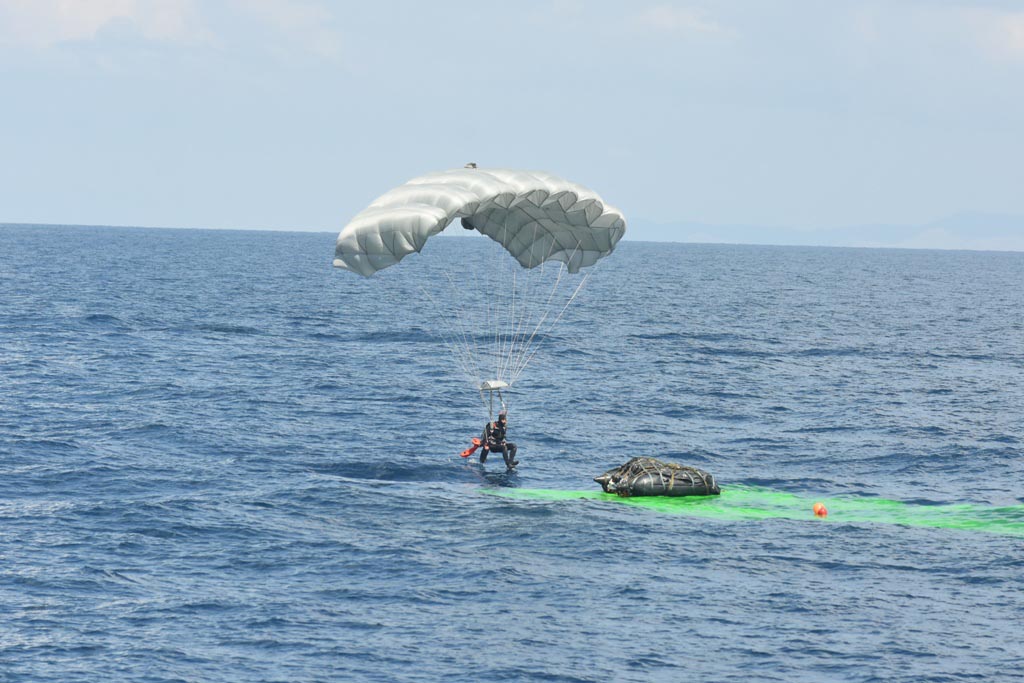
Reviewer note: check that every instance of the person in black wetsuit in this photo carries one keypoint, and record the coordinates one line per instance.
(494, 440)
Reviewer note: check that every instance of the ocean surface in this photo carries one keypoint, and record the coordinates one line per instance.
(223, 460)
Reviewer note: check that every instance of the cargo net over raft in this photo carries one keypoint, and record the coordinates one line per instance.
(651, 477)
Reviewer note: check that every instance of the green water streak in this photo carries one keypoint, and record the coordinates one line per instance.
(747, 502)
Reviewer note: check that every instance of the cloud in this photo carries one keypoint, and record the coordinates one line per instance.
(289, 27)
(671, 19)
(303, 24)
(990, 32)
(1000, 34)
(42, 24)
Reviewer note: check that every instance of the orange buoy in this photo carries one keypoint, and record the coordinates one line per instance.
(820, 510)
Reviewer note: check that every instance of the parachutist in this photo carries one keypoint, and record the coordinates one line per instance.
(509, 207)
(494, 440)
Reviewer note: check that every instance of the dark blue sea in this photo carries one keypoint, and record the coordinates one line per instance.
(223, 460)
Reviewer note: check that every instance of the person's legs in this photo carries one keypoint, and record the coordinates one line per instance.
(506, 455)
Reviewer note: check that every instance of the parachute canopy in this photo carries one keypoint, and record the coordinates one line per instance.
(535, 216)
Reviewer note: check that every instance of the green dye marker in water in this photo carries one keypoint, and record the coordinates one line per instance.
(752, 503)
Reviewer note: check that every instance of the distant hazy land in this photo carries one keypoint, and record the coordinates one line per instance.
(979, 231)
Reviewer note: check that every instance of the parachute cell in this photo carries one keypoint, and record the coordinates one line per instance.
(535, 216)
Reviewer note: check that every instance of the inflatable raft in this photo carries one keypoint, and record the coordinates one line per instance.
(651, 477)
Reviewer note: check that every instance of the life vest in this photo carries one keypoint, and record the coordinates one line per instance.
(495, 432)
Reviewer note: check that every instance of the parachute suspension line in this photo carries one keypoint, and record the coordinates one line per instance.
(461, 351)
(519, 310)
(519, 332)
(465, 349)
(536, 295)
(560, 314)
(490, 404)
(528, 354)
(508, 343)
(462, 341)
(505, 304)
(519, 325)
(493, 313)
(457, 354)
(499, 329)
(510, 337)
(525, 345)
(448, 338)
(493, 323)
(524, 349)
(555, 322)
(516, 322)
(472, 316)
(518, 303)
(468, 338)
(503, 339)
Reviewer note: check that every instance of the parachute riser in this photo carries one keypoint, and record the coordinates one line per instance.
(492, 387)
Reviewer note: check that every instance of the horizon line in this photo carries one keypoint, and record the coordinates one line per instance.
(625, 238)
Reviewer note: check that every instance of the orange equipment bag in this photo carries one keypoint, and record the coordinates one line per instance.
(472, 449)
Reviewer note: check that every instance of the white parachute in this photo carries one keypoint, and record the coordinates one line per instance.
(536, 217)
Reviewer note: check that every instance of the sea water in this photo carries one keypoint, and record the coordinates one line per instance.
(223, 460)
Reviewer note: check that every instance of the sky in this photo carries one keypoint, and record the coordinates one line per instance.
(792, 121)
